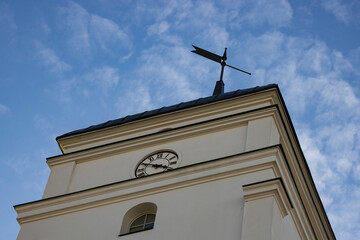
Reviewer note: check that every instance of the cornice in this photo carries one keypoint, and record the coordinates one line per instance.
(245, 163)
(271, 158)
(169, 120)
(301, 174)
(269, 188)
(191, 130)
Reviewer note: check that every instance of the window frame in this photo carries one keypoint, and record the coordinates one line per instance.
(134, 214)
(144, 224)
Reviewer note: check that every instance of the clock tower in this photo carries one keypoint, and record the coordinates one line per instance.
(228, 166)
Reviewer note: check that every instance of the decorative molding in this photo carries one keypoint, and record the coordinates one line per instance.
(246, 163)
(269, 188)
(300, 175)
(169, 120)
(192, 130)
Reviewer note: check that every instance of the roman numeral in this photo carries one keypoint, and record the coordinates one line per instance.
(159, 155)
(172, 158)
(172, 163)
(151, 158)
(141, 174)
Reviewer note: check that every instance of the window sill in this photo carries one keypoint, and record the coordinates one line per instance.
(123, 234)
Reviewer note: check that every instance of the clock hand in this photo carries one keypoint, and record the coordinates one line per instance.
(157, 165)
(166, 167)
(153, 165)
(163, 166)
(146, 164)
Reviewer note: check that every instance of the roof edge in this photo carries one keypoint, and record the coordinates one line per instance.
(167, 109)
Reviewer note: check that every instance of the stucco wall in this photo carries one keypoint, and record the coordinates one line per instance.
(192, 149)
(205, 211)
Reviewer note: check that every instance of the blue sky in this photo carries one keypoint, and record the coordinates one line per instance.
(66, 65)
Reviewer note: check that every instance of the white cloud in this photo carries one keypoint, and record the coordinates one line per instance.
(192, 15)
(337, 93)
(343, 166)
(201, 20)
(104, 77)
(106, 32)
(340, 63)
(49, 58)
(88, 84)
(44, 28)
(77, 20)
(142, 100)
(62, 90)
(346, 11)
(208, 22)
(88, 31)
(42, 123)
(167, 75)
(8, 26)
(357, 172)
(332, 174)
(170, 67)
(219, 35)
(305, 68)
(37, 186)
(322, 173)
(3, 108)
(316, 58)
(19, 164)
(272, 12)
(162, 9)
(271, 51)
(158, 28)
(343, 213)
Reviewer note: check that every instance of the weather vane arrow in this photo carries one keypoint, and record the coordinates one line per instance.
(219, 87)
(216, 58)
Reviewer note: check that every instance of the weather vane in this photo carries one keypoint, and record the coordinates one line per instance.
(219, 88)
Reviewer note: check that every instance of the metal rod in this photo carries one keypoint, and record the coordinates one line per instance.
(222, 70)
(238, 69)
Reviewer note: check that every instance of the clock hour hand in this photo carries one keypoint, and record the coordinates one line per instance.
(156, 165)
(152, 164)
(166, 167)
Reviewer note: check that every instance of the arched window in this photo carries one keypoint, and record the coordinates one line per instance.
(139, 218)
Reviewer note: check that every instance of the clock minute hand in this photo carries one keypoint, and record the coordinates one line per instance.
(153, 165)
(157, 165)
(163, 166)
(167, 167)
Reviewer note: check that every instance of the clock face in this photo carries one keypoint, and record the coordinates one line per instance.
(156, 163)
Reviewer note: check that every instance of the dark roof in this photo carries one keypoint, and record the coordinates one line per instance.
(176, 107)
